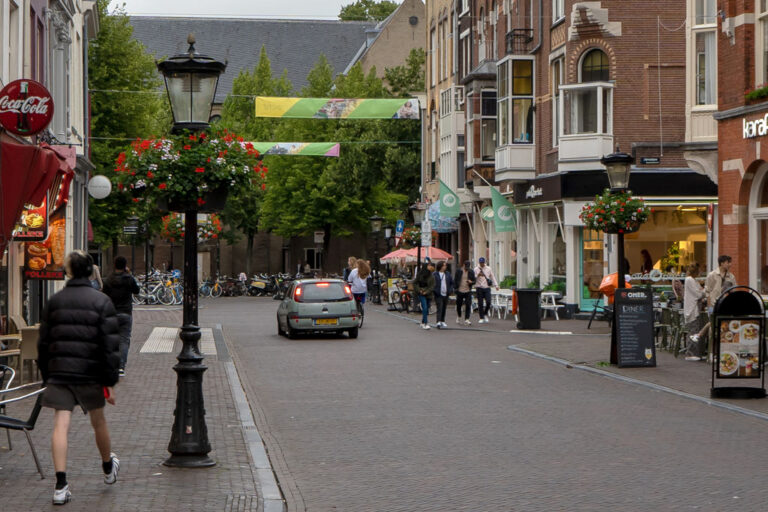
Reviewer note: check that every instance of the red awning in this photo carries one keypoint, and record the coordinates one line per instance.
(26, 174)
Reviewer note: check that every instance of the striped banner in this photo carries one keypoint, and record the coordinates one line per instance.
(297, 148)
(337, 108)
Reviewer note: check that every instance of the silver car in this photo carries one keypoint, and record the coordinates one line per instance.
(318, 305)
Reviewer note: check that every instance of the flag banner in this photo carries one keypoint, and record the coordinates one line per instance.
(503, 212)
(449, 201)
(337, 108)
(298, 148)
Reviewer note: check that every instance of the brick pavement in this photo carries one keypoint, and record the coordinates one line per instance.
(140, 425)
(407, 420)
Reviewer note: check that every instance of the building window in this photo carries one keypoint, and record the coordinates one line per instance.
(433, 56)
(481, 50)
(706, 11)
(594, 67)
(461, 171)
(761, 38)
(502, 85)
(445, 102)
(558, 10)
(488, 134)
(494, 19)
(558, 71)
(464, 6)
(515, 86)
(706, 66)
(470, 146)
(466, 53)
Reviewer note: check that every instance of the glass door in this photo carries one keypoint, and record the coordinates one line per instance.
(591, 268)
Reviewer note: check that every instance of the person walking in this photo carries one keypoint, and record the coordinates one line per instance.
(95, 278)
(693, 296)
(78, 357)
(120, 287)
(464, 280)
(351, 264)
(719, 280)
(443, 288)
(423, 288)
(484, 279)
(358, 280)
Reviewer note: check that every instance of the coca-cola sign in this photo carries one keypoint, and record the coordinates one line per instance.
(26, 107)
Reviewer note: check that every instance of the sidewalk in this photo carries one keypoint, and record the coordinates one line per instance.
(140, 425)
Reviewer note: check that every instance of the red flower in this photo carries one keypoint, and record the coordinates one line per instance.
(145, 144)
(263, 186)
(150, 175)
(121, 158)
(214, 235)
(162, 186)
(192, 137)
(187, 146)
(120, 186)
(200, 169)
(135, 199)
(200, 201)
(203, 136)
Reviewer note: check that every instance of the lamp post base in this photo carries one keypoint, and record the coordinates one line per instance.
(189, 461)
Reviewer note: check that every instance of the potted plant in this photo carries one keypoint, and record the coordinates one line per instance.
(173, 228)
(189, 171)
(663, 300)
(616, 212)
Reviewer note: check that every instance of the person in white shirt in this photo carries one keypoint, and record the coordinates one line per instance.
(358, 280)
(693, 297)
(484, 279)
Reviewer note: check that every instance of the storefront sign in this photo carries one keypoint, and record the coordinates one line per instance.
(33, 225)
(634, 327)
(656, 275)
(45, 260)
(756, 128)
(534, 192)
(650, 160)
(26, 107)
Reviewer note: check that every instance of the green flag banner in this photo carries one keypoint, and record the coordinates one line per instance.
(449, 201)
(503, 212)
(297, 148)
(337, 108)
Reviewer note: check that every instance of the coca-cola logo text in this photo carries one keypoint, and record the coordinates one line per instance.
(26, 107)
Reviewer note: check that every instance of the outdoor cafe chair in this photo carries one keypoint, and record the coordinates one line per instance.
(25, 425)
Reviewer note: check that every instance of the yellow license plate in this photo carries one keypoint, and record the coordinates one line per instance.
(327, 321)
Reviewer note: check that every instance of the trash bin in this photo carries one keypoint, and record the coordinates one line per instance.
(528, 310)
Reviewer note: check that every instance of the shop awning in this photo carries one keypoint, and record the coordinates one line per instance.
(26, 174)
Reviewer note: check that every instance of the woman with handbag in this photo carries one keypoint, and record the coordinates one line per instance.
(423, 287)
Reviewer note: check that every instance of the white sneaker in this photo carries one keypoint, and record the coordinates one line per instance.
(693, 358)
(467, 322)
(61, 496)
(111, 477)
(443, 325)
(482, 321)
(694, 338)
(426, 327)
(458, 320)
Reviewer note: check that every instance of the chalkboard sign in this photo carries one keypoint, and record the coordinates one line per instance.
(634, 327)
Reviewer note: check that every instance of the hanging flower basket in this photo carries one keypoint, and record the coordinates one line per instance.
(411, 237)
(173, 228)
(615, 213)
(190, 171)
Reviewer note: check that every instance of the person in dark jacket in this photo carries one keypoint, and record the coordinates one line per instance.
(78, 357)
(463, 281)
(120, 287)
(443, 289)
(423, 288)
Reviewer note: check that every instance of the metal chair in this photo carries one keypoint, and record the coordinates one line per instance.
(9, 423)
(7, 374)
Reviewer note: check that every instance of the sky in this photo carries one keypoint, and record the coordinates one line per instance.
(316, 9)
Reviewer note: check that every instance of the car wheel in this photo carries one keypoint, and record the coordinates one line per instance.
(353, 333)
(292, 333)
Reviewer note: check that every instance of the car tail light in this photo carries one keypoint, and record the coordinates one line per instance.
(297, 294)
(322, 285)
(348, 290)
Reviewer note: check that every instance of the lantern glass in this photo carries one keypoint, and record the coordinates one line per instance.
(618, 175)
(418, 215)
(376, 222)
(387, 231)
(191, 95)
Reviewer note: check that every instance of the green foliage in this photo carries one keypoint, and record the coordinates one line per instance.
(367, 10)
(671, 259)
(118, 62)
(404, 80)
(534, 283)
(615, 212)
(558, 285)
(508, 282)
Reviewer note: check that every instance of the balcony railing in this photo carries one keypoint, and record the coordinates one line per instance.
(518, 41)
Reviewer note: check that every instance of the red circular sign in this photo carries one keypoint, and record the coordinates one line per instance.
(26, 107)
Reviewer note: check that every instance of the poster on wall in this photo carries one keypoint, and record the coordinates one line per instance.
(45, 259)
(33, 224)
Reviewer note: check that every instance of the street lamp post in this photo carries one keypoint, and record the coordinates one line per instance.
(190, 80)
(617, 167)
(376, 221)
(387, 240)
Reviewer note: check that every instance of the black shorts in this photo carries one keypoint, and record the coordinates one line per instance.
(64, 397)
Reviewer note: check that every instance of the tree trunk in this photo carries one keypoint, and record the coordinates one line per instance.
(326, 247)
(248, 254)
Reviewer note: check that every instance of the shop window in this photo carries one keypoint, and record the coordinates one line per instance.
(592, 263)
(558, 255)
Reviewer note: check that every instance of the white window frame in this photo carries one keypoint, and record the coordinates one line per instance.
(466, 52)
(464, 7)
(446, 101)
(706, 26)
(556, 61)
(603, 89)
(761, 45)
(483, 117)
(510, 98)
(469, 132)
(558, 10)
(433, 56)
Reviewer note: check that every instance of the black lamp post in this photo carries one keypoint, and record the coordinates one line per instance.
(387, 241)
(191, 81)
(617, 167)
(418, 213)
(376, 222)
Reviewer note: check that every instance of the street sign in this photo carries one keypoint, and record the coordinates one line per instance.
(319, 235)
(426, 233)
(399, 228)
(130, 230)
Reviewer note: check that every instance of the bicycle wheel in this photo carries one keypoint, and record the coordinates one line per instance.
(396, 300)
(165, 296)
(205, 290)
(361, 311)
(216, 290)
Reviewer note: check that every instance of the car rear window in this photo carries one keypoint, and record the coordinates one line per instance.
(323, 292)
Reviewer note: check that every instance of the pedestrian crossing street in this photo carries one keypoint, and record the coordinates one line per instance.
(163, 339)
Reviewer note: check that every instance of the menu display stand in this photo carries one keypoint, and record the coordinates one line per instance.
(738, 352)
(632, 342)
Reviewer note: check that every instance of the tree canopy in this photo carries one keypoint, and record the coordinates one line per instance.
(367, 10)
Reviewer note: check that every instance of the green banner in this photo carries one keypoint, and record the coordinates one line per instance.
(297, 148)
(449, 202)
(337, 108)
(504, 214)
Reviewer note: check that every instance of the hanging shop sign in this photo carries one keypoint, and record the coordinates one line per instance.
(26, 107)
(45, 260)
(634, 328)
(337, 108)
(33, 225)
(298, 148)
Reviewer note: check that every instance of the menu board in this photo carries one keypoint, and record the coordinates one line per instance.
(634, 327)
(33, 225)
(738, 347)
(45, 260)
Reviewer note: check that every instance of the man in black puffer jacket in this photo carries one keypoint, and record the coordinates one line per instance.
(78, 357)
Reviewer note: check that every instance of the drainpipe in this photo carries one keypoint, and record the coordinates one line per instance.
(541, 25)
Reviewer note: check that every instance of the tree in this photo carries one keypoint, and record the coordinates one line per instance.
(118, 62)
(367, 10)
(243, 209)
(404, 80)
